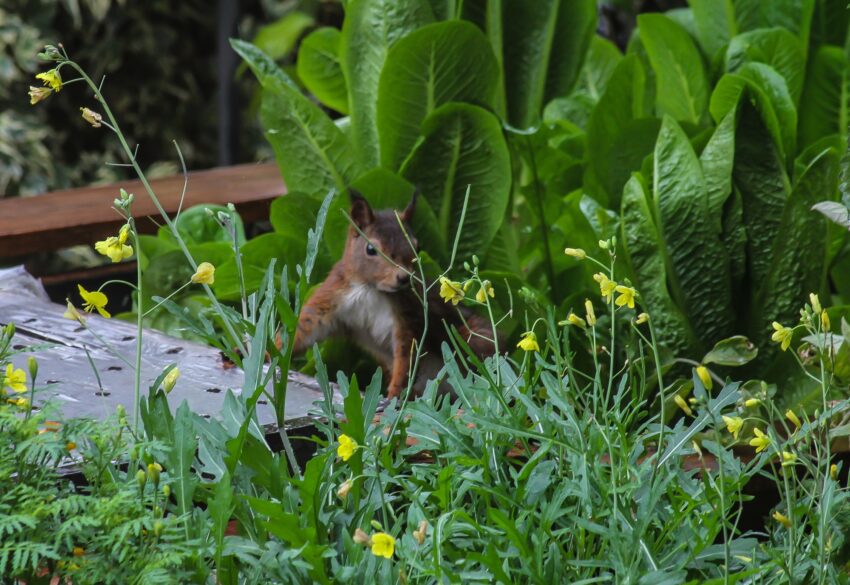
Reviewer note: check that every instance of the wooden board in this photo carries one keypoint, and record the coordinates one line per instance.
(66, 376)
(81, 216)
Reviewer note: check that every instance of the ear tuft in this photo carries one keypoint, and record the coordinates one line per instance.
(407, 214)
(361, 212)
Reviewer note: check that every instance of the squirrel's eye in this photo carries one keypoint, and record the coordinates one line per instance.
(370, 250)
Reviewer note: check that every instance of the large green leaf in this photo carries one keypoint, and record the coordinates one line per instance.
(319, 68)
(263, 66)
(463, 147)
(602, 59)
(575, 27)
(794, 15)
(314, 156)
(759, 174)
(439, 63)
(682, 85)
(798, 250)
(831, 23)
(776, 47)
(698, 267)
(619, 133)
(603, 56)
(643, 246)
(278, 38)
(770, 94)
(825, 108)
(717, 160)
(371, 27)
(715, 23)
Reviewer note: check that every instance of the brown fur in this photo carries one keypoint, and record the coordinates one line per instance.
(369, 299)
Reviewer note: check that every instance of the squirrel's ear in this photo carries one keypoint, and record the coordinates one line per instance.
(361, 212)
(408, 212)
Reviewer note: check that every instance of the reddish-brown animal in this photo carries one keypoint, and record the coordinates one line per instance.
(370, 300)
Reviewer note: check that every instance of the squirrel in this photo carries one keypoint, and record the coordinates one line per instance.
(370, 300)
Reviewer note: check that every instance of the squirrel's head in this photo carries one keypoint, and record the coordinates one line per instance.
(366, 258)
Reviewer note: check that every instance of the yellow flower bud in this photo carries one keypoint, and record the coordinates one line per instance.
(815, 302)
(576, 253)
(590, 315)
(788, 459)
(752, 402)
(170, 380)
(824, 321)
(642, 318)
(141, 478)
(795, 420)
(705, 377)
(833, 472)
(154, 469)
(782, 519)
(681, 403)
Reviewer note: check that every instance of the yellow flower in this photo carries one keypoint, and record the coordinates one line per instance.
(70, 445)
(347, 447)
(528, 342)
(704, 377)
(116, 248)
(627, 296)
(833, 472)
(15, 379)
(824, 321)
(383, 545)
(92, 117)
(576, 253)
(815, 301)
(485, 291)
(788, 458)
(760, 441)
(782, 335)
(680, 402)
(205, 274)
(782, 519)
(733, 425)
(94, 300)
(170, 380)
(589, 314)
(795, 420)
(79, 551)
(51, 78)
(642, 318)
(606, 286)
(751, 402)
(39, 93)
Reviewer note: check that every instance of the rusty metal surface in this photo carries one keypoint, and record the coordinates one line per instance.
(66, 375)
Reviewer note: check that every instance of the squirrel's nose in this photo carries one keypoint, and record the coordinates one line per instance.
(403, 279)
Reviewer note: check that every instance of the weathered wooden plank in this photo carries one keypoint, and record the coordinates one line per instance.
(64, 368)
(79, 216)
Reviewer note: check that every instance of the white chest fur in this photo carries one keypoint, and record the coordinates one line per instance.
(369, 317)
